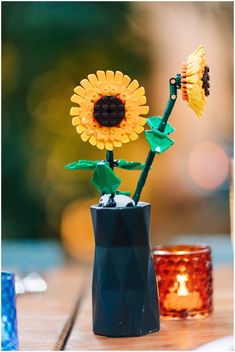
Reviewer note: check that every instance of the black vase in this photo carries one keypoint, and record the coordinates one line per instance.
(124, 290)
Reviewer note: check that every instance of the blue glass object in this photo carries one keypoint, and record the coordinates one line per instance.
(9, 321)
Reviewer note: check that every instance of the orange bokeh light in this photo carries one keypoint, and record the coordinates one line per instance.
(76, 230)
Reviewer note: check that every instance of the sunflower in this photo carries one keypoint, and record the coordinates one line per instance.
(110, 109)
(195, 81)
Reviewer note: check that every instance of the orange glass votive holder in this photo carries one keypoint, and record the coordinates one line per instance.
(184, 276)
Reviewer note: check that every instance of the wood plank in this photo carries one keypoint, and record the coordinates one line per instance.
(174, 335)
(45, 319)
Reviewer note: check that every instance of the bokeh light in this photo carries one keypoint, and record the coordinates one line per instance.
(76, 230)
(48, 49)
(208, 165)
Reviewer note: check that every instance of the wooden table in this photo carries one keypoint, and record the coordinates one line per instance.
(60, 318)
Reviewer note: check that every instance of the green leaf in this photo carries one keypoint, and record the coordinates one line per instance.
(155, 121)
(82, 165)
(129, 165)
(159, 142)
(104, 178)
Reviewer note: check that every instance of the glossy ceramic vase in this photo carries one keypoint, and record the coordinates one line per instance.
(124, 290)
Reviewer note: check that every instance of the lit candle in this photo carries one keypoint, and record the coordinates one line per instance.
(182, 298)
(184, 275)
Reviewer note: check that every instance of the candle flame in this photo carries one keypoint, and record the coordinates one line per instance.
(182, 289)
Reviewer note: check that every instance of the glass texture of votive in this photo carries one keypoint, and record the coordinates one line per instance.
(184, 276)
(9, 321)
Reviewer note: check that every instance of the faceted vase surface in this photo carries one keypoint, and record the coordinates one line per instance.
(124, 290)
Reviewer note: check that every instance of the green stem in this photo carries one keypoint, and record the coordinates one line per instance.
(151, 155)
(143, 176)
(109, 158)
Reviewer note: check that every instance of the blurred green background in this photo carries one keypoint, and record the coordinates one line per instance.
(47, 48)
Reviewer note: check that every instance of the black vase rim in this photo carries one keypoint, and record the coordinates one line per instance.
(140, 205)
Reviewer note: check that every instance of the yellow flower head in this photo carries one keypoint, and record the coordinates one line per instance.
(110, 109)
(195, 80)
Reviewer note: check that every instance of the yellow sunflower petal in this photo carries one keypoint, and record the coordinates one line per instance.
(139, 129)
(196, 101)
(198, 53)
(130, 115)
(85, 120)
(126, 127)
(143, 109)
(196, 98)
(86, 84)
(195, 93)
(117, 144)
(109, 146)
(77, 99)
(199, 102)
(138, 92)
(100, 145)
(93, 140)
(85, 136)
(133, 86)
(74, 111)
(118, 76)
(93, 79)
(105, 138)
(141, 100)
(141, 121)
(76, 121)
(199, 48)
(110, 75)
(102, 134)
(130, 105)
(192, 79)
(95, 96)
(103, 88)
(125, 138)
(113, 90)
(197, 110)
(101, 76)
(196, 104)
(115, 134)
(124, 96)
(125, 81)
(192, 69)
(189, 86)
(80, 91)
(133, 136)
(80, 129)
(78, 111)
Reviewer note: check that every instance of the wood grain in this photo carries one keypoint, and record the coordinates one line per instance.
(45, 319)
(174, 335)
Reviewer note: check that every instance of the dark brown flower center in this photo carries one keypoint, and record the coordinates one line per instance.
(205, 81)
(109, 111)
